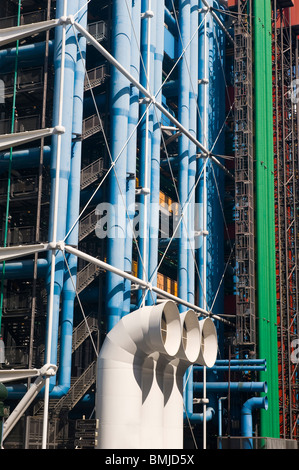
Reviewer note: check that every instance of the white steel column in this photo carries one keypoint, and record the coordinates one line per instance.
(204, 280)
(146, 190)
(55, 221)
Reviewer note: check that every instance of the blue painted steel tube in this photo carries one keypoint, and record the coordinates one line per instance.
(132, 149)
(145, 135)
(155, 156)
(203, 136)
(30, 55)
(24, 269)
(120, 101)
(255, 403)
(171, 22)
(193, 96)
(27, 158)
(221, 387)
(73, 207)
(183, 146)
(65, 166)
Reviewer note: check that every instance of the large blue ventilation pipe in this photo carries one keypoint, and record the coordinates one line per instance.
(65, 166)
(120, 102)
(132, 149)
(254, 403)
(73, 208)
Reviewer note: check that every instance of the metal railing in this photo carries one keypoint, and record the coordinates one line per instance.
(78, 389)
(98, 30)
(91, 173)
(86, 276)
(22, 124)
(18, 236)
(96, 76)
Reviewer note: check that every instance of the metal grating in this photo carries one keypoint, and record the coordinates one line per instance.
(244, 189)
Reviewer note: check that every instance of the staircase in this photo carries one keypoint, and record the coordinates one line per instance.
(91, 173)
(80, 334)
(87, 275)
(78, 388)
(88, 225)
(90, 126)
(96, 77)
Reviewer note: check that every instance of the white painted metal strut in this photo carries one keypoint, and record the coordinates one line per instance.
(20, 138)
(8, 35)
(108, 267)
(42, 374)
(55, 224)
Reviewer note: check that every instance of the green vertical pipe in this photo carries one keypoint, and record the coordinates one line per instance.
(272, 246)
(265, 220)
(10, 166)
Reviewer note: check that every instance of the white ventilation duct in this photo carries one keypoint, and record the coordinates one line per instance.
(139, 399)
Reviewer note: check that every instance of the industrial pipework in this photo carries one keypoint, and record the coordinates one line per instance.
(139, 398)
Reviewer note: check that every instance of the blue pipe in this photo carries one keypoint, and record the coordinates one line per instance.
(223, 362)
(73, 207)
(170, 21)
(215, 244)
(183, 146)
(235, 367)
(65, 163)
(222, 387)
(254, 403)
(29, 56)
(132, 150)
(193, 96)
(24, 269)
(155, 154)
(120, 99)
(27, 158)
(145, 140)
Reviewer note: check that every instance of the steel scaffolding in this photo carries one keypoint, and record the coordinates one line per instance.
(285, 56)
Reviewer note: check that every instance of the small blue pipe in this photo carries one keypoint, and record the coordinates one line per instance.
(24, 269)
(120, 102)
(223, 362)
(254, 403)
(221, 387)
(27, 158)
(193, 96)
(171, 23)
(30, 55)
(65, 162)
(183, 146)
